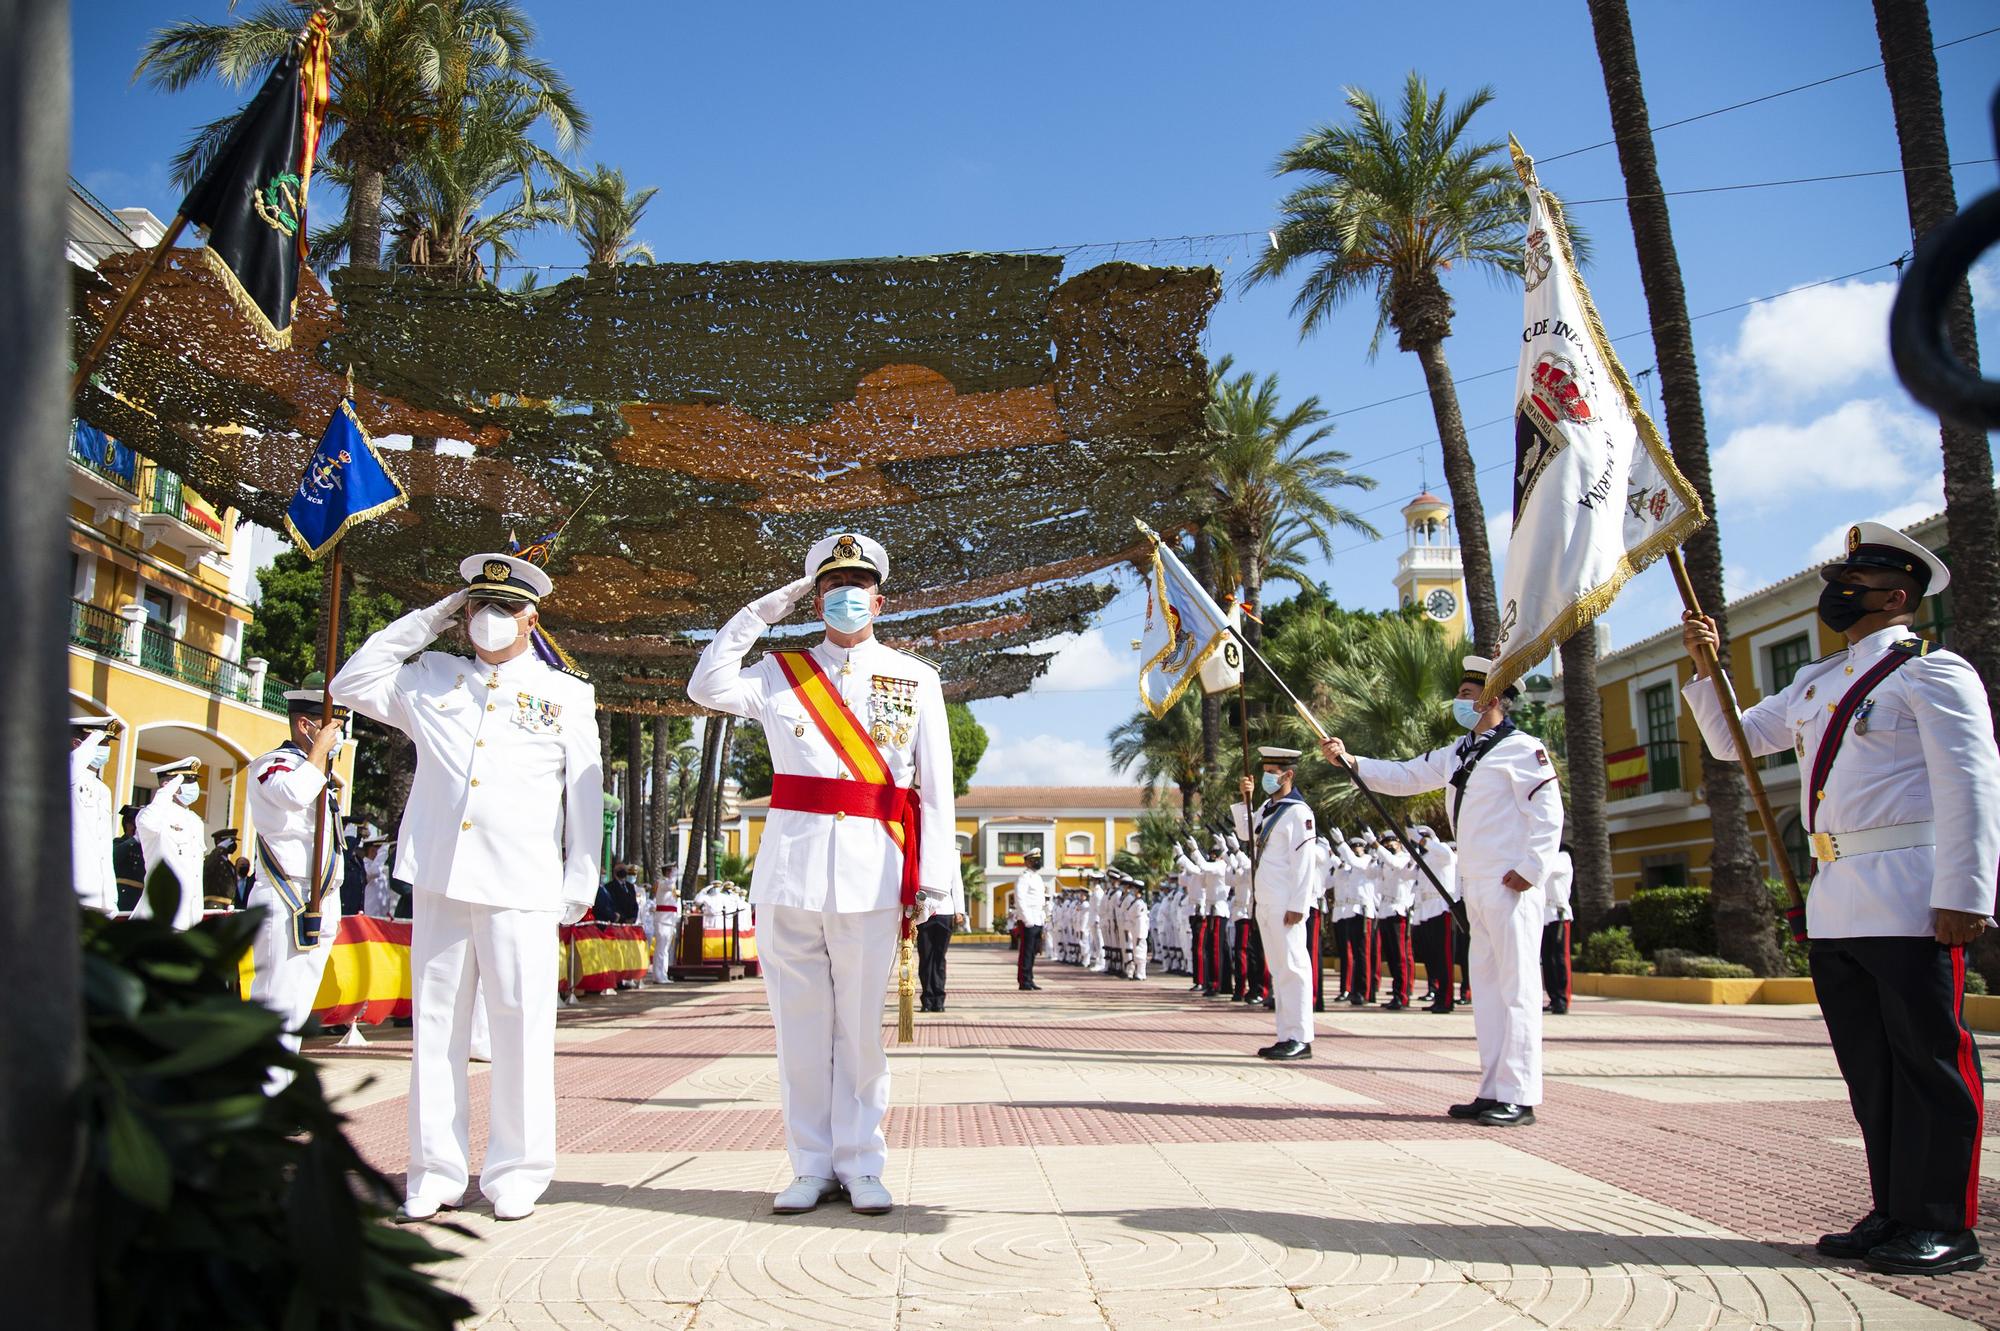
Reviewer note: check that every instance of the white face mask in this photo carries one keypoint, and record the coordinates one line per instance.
(493, 629)
(187, 793)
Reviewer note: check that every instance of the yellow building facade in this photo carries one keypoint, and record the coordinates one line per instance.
(1429, 573)
(1075, 828)
(159, 601)
(1659, 818)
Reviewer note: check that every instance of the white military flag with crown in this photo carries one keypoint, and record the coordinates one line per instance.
(1596, 494)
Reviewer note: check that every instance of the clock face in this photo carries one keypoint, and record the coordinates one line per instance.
(1440, 605)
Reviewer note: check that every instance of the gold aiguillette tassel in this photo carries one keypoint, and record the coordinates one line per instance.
(906, 992)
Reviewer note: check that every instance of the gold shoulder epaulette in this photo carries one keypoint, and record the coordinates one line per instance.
(1913, 647)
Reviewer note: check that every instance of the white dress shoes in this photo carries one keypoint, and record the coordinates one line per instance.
(421, 1208)
(512, 1210)
(805, 1193)
(868, 1197)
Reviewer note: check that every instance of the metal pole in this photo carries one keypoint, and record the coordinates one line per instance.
(133, 290)
(331, 662)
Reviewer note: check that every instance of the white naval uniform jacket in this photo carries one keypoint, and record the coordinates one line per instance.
(286, 791)
(91, 830)
(1031, 899)
(1511, 817)
(1924, 753)
(818, 861)
(170, 831)
(507, 809)
(1287, 873)
(1558, 888)
(1399, 880)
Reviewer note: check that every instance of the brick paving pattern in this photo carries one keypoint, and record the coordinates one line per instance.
(1109, 1154)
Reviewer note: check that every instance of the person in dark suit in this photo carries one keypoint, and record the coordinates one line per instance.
(128, 860)
(354, 879)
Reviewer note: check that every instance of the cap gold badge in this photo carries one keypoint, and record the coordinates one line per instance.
(498, 570)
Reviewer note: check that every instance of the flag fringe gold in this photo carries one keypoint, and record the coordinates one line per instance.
(1597, 600)
(1193, 672)
(277, 339)
(906, 992)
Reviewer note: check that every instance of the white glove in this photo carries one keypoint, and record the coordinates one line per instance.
(442, 613)
(774, 606)
(573, 911)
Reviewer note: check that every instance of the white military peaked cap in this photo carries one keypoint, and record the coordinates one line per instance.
(1878, 545)
(189, 767)
(501, 577)
(848, 550)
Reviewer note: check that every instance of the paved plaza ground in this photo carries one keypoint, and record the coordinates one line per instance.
(1111, 1154)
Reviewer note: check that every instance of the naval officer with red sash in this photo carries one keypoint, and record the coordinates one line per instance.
(858, 846)
(1901, 798)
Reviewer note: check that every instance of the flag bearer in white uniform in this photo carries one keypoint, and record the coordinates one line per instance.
(1507, 812)
(93, 824)
(1901, 787)
(170, 832)
(288, 792)
(1282, 890)
(501, 838)
(858, 845)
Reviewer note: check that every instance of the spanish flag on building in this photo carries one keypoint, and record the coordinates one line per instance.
(252, 196)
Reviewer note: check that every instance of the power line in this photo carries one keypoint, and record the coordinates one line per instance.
(1771, 184)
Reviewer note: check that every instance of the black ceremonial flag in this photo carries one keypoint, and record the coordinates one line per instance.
(252, 197)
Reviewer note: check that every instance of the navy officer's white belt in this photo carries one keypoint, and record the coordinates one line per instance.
(1830, 846)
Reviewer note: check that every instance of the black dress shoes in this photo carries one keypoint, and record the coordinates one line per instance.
(1927, 1252)
(1270, 1049)
(1285, 1051)
(1480, 1104)
(1872, 1229)
(1394, 1005)
(1439, 1007)
(1558, 1006)
(1358, 1000)
(1508, 1116)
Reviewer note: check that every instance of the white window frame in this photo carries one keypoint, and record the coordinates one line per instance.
(1761, 642)
(1636, 687)
(963, 840)
(1045, 830)
(1132, 843)
(1089, 846)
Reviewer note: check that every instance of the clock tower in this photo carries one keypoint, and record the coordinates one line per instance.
(1428, 572)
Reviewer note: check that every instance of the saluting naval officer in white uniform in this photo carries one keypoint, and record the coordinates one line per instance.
(500, 838)
(1900, 783)
(170, 832)
(92, 824)
(1283, 887)
(288, 794)
(1507, 812)
(834, 876)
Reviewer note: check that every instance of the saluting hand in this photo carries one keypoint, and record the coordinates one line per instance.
(774, 606)
(1956, 928)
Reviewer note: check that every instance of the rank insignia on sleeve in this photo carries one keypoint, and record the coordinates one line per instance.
(1542, 757)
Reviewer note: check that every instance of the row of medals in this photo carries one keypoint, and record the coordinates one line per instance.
(892, 710)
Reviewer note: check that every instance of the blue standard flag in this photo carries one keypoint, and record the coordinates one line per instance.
(346, 482)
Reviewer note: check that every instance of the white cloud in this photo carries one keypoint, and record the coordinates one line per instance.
(1083, 662)
(1809, 343)
(1045, 760)
(1865, 444)
(1926, 500)
(1985, 278)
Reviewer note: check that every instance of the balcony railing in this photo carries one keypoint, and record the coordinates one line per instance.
(163, 493)
(103, 631)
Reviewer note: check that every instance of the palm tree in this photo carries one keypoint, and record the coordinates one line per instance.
(1972, 521)
(1388, 696)
(402, 71)
(1736, 875)
(1391, 202)
(1271, 473)
(607, 217)
(1588, 827)
(1158, 831)
(1165, 749)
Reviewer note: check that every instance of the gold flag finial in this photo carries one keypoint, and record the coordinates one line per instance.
(1524, 165)
(906, 993)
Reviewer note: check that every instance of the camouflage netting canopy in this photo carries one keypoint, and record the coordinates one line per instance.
(995, 427)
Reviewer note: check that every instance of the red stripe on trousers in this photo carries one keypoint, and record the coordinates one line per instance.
(1569, 980)
(1968, 1074)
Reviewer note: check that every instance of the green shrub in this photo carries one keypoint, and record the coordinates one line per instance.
(1796, 960)
(1673, 917)
(215, 1205)
(1602, 951)
(1975, 983)
(1671, 961)
(1631, 966)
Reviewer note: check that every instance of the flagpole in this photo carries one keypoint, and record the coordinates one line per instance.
(1725, 693)
(133, 289)
(330, 662)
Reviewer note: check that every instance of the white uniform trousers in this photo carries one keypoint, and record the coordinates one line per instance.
(285, 977)
(461, 956)
(1139, 952)
(1504, 963)
(826, 974)
(665, 931)
(1290, 961)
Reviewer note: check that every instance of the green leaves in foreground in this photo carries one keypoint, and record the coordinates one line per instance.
(217, 1206)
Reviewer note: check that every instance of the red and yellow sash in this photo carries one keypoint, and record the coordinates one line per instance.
(870, 794)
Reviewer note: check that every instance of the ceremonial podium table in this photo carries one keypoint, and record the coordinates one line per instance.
(726, 951)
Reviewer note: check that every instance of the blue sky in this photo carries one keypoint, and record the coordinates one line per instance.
(816, 131)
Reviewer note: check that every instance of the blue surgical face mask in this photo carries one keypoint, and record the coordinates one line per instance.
(1466, 712)
(849, 609)
(1271, 783)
